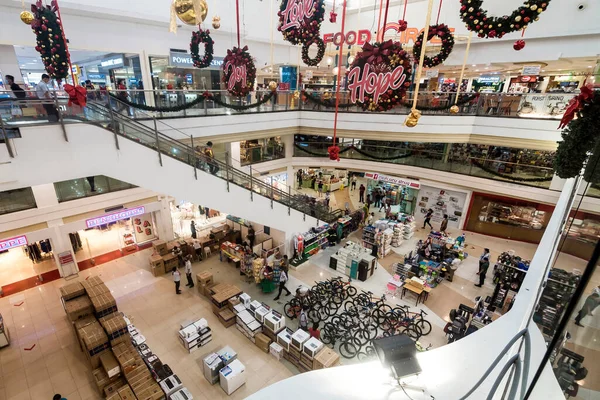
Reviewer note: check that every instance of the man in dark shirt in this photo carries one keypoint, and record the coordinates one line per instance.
(17, 90)
(484, 264)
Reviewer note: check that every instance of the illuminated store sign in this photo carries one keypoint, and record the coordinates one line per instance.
(13, 242)
(394, 180)
(179, 59)
(112, 62)
(364, 36)
(113, 217)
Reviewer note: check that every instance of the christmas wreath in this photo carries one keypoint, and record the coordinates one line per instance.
(300, 20)
(477, 19)
(379, 76)
(443, 32)
(313, 62)
(51, 43)
(239, 71)
(202, 36)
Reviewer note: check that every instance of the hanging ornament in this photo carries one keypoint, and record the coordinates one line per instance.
(413, 118)
(300, 20)
(313, 62)
(190, 12)
(198, 38)
(334, 153)
(402, 25)
(454, 109)
(239, 72)
(332, 17)
(53, 50)
(216, 22)
(519, 44)
(272, 85)
(26, 17)
(446, 37)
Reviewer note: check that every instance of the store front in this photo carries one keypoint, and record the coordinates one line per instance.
(402, 193)
(110, 69)
(258, 150)
(119, 232)
(23, 257)
(277, 180)
(524, 84)
(332, 179)
(185, 214)
(488, 84)
(177, 71)
(565, 83)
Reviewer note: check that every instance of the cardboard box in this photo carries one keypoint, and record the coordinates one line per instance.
(78, 307)
(306, 361)
(110, 364)
(113, 387)
(91, 282)
(126, 355)
(157, 265)
(326, 358)
(226, 317)
(95, 359)
(170, 262)
(94, 338)
(125, 393)
(262, 342)
(204, 278)
(100, 379)
(104, 304)
(160, 247)
(97, 290)
(114, 325)
(72, 290)
(221, 298)
(80, 323)
(232, 302)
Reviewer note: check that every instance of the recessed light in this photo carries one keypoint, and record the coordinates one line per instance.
(543, 70)
(476, 70)
(474, 65)
(589, 66)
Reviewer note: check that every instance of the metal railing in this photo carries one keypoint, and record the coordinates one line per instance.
(483, 166)
(124, 127)
(530, 105)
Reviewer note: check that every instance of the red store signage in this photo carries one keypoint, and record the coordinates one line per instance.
(364, 36)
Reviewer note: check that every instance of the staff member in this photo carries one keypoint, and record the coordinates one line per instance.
(188, 272)
(282, 280)
(484, 264)
(177, 279)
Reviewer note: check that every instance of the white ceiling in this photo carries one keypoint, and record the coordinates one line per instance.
(29, 58)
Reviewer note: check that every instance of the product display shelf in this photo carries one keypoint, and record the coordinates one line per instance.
(409, 230)
(403, 271)
(397, 235)
(384, 241)
(369, 236)
(313, 242)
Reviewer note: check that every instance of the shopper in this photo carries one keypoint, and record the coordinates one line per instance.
(177, 279)
(428, 219)
(484, 264)
(383, 204)
(43, 93)
(371, 218)
(444, 224)
(361, 193)
(188, 272)
(320, 187)
(198, 249)
(327, 198)
(369, 201)
(283, 278)
(251, 236)
(299, 177)
(303, 319)
(353, 184)
(91, 94)
(193, 229)
(376, 197)
(486, 254)
(285, 264)
(590, 304)
(313, 182)
(210, 159)
(314, 331)
(17, 90)
(123, 96)
(179, 254)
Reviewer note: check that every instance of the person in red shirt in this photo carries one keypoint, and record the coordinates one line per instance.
(314, 331)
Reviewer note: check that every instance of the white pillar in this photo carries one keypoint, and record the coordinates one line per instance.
(44, 195)
(288, 144)
(61, 248)
(9, 65)
(163, 219)
(146, 77)
(233, 149)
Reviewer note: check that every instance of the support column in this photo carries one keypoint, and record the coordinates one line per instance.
(163, 219)
(233, 149)
(61, 248)
(146, 77)
(288, 145)
(9, 65)
(45, 195)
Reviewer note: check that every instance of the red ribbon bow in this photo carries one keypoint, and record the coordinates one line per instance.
(77, 95)
(375, 54)
(576, 104)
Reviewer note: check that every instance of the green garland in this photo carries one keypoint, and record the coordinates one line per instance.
(50, 40)
(352, 147)
(196, 101)
(509, 177)
(464, 99)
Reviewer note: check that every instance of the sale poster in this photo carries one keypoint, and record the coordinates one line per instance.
(143, 228)
(441, 202)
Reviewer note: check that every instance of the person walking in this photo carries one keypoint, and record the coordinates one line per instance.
(213, 168)
(428, 219)
(444, 224)
(590, 304)
(361, 193)
(123, 96)
(320, 187)
(484, 264)
(369, 201)
(283, 278)
(327, 198)
(377, 196)
(299, 177)
(177, 279)
(285, 264)
(193, 229)
(383, 204)
(188, 272)
(43, 93)
(17, 90)
(353, 184)
(314, 331)
(251, 236)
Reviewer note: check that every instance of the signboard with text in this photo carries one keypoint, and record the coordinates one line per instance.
(394, 180)
(531, 70)
(184, 60)
(16, 241)
(113, 217)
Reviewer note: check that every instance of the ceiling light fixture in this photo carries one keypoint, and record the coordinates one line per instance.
(589, 66)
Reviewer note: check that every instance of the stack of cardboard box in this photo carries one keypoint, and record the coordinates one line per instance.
(205, 282)
(72, 291)
(78, 307)
(262, 341)
(326, 358)
(116, 328)
(157, 265)
(104, 304)
(220, 296)
(137, 373)
(95, 342)
(123, 393)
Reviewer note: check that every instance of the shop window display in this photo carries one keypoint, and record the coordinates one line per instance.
(190, 220)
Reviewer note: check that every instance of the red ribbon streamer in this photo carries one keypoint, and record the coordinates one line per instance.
(404, 13)
(237, 15)
(332, 150)
(437, 21)
(387, 6)
(576, 104)
(379, 20)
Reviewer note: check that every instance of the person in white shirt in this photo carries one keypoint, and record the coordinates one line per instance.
(370, 219)
(43, 93)
(177, 279)
(282, 280)
(198, 249)
(303, 319)
(188, 271)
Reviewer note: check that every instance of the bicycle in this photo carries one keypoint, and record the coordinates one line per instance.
(378, 308)
(403, 312)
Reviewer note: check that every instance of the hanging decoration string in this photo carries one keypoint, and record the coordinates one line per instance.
(272, 30)
(334, 150)
(237, 16)
(415, 114)
(404, 13)
(379, 20)
(462, 70)
(437, 21)
(387, 6)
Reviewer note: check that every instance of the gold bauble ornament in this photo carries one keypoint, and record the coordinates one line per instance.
(518, 18)
(26, 17)
(413, 118)
(296, 95)
(326, 96)
(191, 12)
(272, 85)
(216, 22)
(533, 7)
(454, 109)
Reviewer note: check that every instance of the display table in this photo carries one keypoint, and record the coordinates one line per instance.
(422, 293)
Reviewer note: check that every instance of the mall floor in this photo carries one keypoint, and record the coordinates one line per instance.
(44, 357)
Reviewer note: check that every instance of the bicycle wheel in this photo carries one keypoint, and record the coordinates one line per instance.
(349, 306)
(351, 290)
(313, 315)
(348, 349)
(289, 310)
(362, 337)
(424, 325)
(381, 313)
(413, 331)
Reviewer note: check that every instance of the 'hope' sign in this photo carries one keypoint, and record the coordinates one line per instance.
(373, 83)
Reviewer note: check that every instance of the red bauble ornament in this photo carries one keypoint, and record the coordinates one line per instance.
(402, 25)
(334, 153)
(332, 17)
(519, 44)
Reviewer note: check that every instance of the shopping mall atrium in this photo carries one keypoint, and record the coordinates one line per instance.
(365, 199)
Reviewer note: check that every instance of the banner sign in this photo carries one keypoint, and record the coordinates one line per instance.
(107, 218)
(531, 70)
(16, 241)
(394, 180)
(178, 59)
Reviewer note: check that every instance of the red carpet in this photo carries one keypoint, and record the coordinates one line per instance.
(53, 275)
